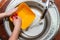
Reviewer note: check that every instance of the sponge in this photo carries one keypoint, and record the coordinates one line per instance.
(26, 14)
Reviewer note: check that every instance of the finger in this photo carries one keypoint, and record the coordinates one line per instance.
(13, 10)
(16, 17)
(13, 18)
(19, 18)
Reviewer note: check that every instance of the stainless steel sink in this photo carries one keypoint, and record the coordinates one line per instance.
(39, 30)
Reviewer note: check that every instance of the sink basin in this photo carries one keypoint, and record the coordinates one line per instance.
(39, 30)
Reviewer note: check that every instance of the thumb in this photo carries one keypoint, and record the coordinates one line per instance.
(13, 10)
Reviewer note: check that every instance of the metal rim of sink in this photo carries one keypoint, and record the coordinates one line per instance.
(47, 36)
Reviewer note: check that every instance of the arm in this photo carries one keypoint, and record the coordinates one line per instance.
(10, 12)
(2, 15)
(16, 31)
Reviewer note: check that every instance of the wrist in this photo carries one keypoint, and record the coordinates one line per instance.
(5, 14)
(17, 27)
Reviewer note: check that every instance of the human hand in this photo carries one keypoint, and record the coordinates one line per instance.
(10, 12)
(17, 21)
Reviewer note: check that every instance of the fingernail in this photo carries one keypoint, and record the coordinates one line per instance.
(13, 18)
(16, 17)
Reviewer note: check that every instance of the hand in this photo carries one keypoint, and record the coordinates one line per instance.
(17, 22)
(10, 12)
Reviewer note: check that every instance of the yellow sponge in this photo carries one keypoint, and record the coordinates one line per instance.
(26, 14)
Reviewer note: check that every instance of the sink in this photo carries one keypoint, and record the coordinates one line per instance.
(39, 30)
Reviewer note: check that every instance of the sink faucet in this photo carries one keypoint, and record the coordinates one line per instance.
(46, 9)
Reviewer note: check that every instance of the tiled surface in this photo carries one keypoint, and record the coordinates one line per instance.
(5, 36)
